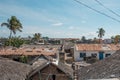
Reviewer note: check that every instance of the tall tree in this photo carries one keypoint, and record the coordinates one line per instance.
(101, 33)
(113, 39)
(13, 24)
(83, 39)
(94, 40)
(117, 39)
(37, 36)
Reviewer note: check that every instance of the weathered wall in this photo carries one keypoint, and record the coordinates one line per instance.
(52, 70)
(88, 53)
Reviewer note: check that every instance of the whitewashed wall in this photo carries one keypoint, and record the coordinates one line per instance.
(88, 53)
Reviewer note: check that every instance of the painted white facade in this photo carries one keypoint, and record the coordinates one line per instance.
(107, 41)
(89, 53)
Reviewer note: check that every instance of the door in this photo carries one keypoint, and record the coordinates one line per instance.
(101, 56)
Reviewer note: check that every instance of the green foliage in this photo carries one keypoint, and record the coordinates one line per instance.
(36, 36)
(101, 32)
(13, 24)
(23, 59)
(117, 39)
(27, 41)
(83, 39)
(46, 38)
(15, 42)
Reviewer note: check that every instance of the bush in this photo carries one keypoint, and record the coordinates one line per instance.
(23, 59)
(15, 42)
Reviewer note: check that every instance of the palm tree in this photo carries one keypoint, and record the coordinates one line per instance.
(37, 36)
(83, 39)
(13, 24)
(101, 33)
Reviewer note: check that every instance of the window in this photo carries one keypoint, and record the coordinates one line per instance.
(82, 55)
(94, 54)
(106, 55)
(53, 77)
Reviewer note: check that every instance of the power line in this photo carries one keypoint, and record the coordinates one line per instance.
(98, 11)
(107, 8)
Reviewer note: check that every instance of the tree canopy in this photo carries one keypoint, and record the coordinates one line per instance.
(13, 24)
(36, 36)
(101, 32)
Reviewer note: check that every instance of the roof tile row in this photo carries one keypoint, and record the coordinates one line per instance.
(28, 51)
(97, 47)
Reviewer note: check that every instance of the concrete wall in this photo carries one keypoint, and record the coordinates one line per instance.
(89, 53)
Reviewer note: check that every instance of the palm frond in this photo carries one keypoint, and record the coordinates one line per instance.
(20, 30)
(14, 31)
(5, 24)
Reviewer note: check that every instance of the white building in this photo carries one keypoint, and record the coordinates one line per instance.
(100, 51)
(107, 41)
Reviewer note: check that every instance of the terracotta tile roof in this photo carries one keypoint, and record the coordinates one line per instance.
(96, 47)
(28, 51)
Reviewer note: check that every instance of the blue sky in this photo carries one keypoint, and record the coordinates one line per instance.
(60, 18)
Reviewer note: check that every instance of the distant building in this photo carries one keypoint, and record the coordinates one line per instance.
(40, 42)
(107, 41)
(100, 51)
(29, 51)
(62, 40)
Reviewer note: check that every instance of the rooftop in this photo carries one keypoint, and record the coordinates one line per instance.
(11, 70)
(40, 64)
(96, 47)
(29, 50)
(106, 68)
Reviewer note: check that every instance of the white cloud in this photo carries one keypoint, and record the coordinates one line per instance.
(91, 34)
(58, 24)
(74, 28)
(71, 27)
(4, 32)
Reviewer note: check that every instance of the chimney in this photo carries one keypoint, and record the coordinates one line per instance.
(75, 77)
(62, 48)
(61, 57)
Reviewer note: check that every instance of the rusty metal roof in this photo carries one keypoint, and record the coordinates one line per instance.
(96, 47)
(28, 51)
